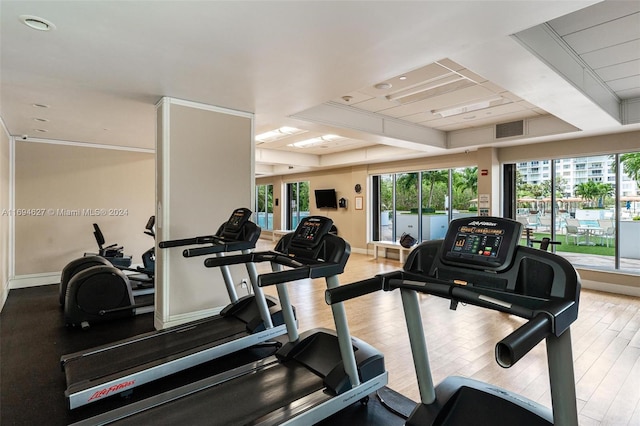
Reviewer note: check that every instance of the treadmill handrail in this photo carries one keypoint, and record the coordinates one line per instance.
(353, 290)
(221, 246)
(507, 352)
(457, 292)
(301, 267)
(517, 344)
(204, 239)
(363, 287)
(256, 257)
(284, 276)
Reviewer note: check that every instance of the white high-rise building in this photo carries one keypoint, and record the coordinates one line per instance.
(575, 171)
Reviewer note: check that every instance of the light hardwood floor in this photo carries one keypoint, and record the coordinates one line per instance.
(606, 342)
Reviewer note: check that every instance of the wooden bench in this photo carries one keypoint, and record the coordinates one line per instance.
(385, 245)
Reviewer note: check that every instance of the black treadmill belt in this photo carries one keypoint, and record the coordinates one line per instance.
(163, 346)
(237, 402)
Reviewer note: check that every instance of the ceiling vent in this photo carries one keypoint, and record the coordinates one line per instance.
(507, 130)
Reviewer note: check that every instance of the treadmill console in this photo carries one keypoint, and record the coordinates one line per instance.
(310, 232)
(486, 243)
(238, 218)
(238, 229)
(237, 226)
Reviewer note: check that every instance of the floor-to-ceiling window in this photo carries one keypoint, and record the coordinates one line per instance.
(464, 190)
(588, 210)
(383, 188)
(264, 206)
(407, 192)
(297, 203)
(421, 203)
(434, 204)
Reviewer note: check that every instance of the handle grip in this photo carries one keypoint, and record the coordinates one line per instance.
(516, 345)
(283, 276)
(353, 290)
(200, 251)
(187, 241)
(213, 262)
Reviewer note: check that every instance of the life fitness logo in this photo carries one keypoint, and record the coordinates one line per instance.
(111, 389)
(482, 223)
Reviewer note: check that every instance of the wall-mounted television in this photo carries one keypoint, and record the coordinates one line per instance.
(326, 198)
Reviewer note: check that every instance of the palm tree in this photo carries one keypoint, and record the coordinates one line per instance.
(586, 190)
(430, 178)
(406, 191)
(604, 190)
(468, 179)
(303, 196)
(631, 165)
(593, 191)
(559, 186)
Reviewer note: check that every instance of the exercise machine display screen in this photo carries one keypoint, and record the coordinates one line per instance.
(237, 219)
(311, 230)
(469, 242)
(481, 242)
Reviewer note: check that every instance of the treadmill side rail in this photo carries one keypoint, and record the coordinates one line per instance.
(82, 394)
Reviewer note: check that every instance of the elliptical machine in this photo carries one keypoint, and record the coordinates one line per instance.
(113, 252)
(93, 289)
(141, 282)
(144, 275)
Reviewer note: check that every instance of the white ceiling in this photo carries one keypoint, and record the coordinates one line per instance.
(314, 65)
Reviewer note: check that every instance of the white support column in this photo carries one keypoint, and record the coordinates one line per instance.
(204, 170)
(489, 180)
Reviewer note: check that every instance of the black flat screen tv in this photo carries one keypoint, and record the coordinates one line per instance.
(326, 198)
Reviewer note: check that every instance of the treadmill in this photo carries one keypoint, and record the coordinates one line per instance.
(97, 373)
(314, 375)
(480, 263)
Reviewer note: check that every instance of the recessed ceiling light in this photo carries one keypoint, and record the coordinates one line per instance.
(383, 86)
(277, 134)
(37, 23)
(41, 130)
(40, 105)
(471, 107)
(42, 120)
(315, 141)
(402, 77)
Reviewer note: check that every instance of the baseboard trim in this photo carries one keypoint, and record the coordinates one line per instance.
(610, 281)
(611, 288)
(359, 250)
(5, 294)
(34, 280)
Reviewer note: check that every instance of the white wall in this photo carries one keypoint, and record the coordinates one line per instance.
(5, 189)
(67, 188)
(205, 166)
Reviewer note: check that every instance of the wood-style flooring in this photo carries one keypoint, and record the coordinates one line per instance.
(606, 346)
(606, 343)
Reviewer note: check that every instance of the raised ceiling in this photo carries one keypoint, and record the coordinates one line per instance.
(392, 79)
